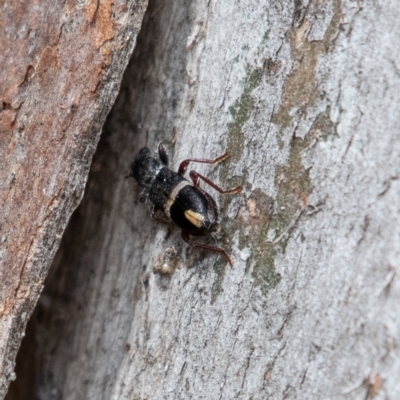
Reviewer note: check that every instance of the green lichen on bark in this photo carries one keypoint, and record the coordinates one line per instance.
(293, 179)
(241, 113)
(271, 218)
(294, 188)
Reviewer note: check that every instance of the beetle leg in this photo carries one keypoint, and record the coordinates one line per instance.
(196, 176)
(186, 238)
(184, 164)
(162, 153)
(162, 220)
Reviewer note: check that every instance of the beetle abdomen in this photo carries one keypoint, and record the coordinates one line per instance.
(192, 210)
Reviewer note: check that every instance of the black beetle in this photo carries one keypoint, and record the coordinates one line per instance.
(192, 209)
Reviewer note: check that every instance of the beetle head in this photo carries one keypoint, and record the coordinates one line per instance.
(144, 168)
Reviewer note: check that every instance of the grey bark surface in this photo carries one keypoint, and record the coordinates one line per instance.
(61, 67)
(305, 97)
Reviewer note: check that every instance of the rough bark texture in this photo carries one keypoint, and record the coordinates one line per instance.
(61, 67)
(305, 96)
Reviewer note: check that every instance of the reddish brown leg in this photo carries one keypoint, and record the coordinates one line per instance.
(196, 176)
(162, 153)
(184, 164)
(162, 220)
(185, 237)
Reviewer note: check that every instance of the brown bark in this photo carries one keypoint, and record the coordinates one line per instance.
(62, 63)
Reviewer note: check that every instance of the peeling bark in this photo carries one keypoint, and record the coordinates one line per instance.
(304, 95)
(62, 65)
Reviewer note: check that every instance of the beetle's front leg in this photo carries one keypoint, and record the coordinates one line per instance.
(184, 164)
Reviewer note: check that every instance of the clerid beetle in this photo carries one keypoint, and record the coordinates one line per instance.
(192, 209)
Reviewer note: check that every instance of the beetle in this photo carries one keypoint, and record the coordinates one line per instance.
(183, 203)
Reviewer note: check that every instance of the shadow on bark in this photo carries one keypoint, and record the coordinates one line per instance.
(86, 270)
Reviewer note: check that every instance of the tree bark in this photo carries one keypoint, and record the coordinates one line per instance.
(304, 95)
(62, 64)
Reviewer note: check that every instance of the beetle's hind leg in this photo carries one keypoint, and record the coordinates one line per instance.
(195, 176)
(186, 238)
